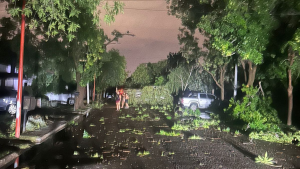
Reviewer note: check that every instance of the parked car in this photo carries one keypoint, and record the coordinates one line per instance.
(8, 100)
(62, 98)
(195, 100)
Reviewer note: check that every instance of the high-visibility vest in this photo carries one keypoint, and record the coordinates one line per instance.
(121, 91)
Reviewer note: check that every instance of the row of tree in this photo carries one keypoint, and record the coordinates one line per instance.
(64, 42)
(174, 72)
(262, 36)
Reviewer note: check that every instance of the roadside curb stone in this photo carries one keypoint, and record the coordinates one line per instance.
(38, 139)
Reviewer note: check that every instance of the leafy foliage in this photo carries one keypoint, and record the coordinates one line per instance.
(194, 137)
(178, 79)
(149, 74)
(143, 153)
(61, 17)
(189, 45)
(254, 110)
(200, 81)
(216, 66)
(277, 137)
(180, 127)
(86, 134)
(142, 76)
(97, 105)
(152, 95)
(264, 159)
(171, 133)
(109, 72)
(240, 26)
(159, 81)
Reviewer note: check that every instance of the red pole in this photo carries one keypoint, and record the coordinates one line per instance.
(16, 163)
(94, 87)
(20, 76)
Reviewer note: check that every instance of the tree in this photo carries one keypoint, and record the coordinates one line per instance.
(142, 76)
(201, 81)
(234, 27)
(286, 68)
(158, 69)
(61, 17)
(179, 78)
(189, 11)
(174, 60)
(112, 72)
(216, 65)
(242, 27)
(159, 81)
(72, 25)
(283, 62)
(293, 68)
(7, 33)
(293, 64)
(189, 45)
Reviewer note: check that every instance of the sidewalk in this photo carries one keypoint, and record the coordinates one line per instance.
(58, 118)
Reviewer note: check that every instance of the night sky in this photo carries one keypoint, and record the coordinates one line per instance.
(155, 32)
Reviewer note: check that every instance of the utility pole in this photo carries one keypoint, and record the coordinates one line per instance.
(20, 77)
(235, 81)
(88, 93)
(94, 87)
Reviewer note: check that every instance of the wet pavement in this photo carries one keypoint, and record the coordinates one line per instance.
(110, 139)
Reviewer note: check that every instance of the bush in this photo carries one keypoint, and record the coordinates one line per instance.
(35, 123)
(255, 111)
(277, 137)
(151, 95)
(97, 105)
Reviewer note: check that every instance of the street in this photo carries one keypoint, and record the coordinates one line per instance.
(110, 139)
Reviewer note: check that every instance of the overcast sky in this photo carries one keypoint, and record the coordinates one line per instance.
(155, 32)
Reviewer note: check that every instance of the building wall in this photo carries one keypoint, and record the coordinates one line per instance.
(12, 82)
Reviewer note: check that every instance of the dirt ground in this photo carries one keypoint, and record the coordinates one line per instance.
(120, 142)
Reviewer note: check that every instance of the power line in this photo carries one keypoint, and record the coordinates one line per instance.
(138, 0)
(147, 9)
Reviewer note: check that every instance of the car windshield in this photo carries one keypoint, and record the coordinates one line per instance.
(190, 94)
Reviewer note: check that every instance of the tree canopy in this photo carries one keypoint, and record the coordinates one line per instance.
(61, 17)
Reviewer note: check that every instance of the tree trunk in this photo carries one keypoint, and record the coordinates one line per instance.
(251, 73)
(222, 76)
(290, 87)
(222, 93)
(94, 89)
(244, 69)
(290, 99)
(101, 95)
(79, 99)
(220, 83)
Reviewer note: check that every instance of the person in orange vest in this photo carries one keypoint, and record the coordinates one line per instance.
(121, 91)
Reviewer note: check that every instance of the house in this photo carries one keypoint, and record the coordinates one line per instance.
(9, 77)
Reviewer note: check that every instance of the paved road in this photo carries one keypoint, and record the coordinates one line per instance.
(119, 141)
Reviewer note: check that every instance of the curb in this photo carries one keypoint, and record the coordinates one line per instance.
(41, 139)
(8, 159)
